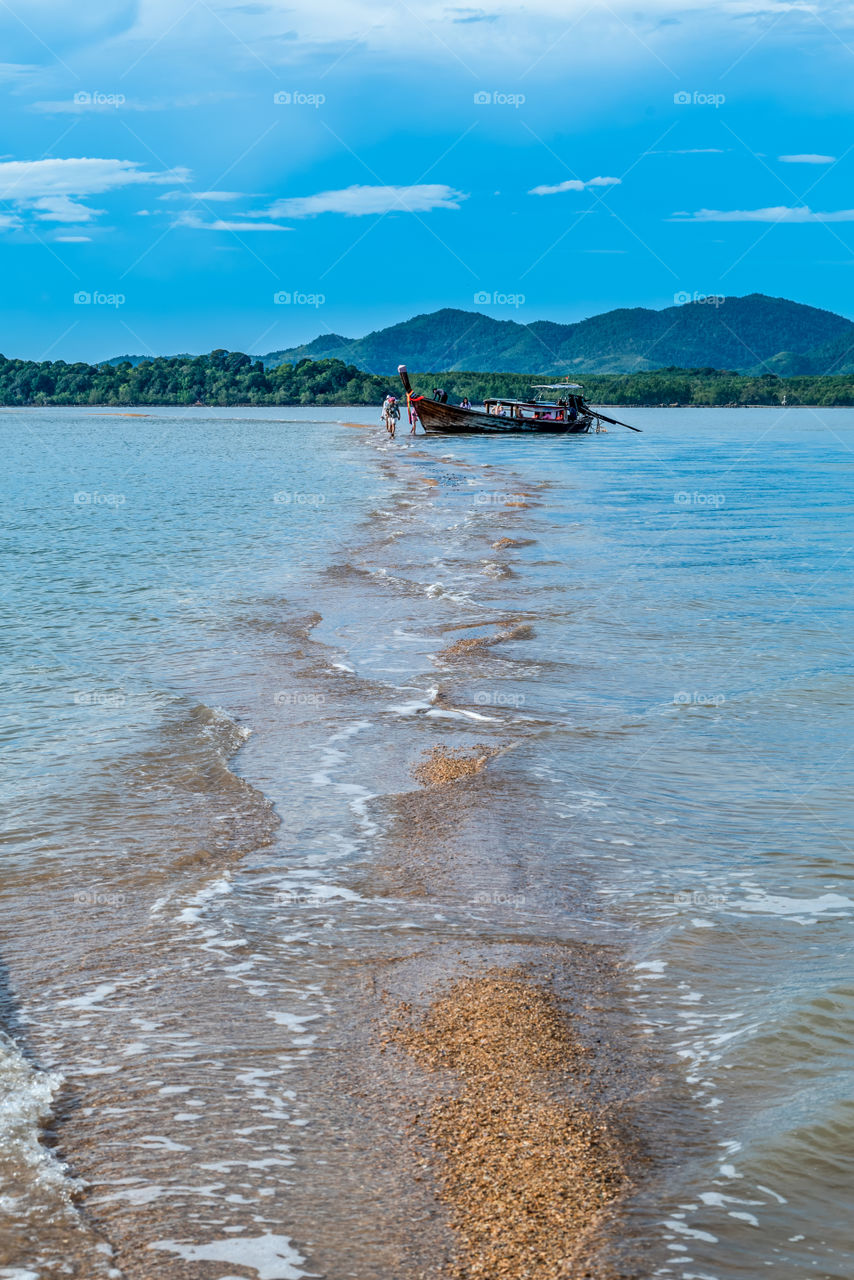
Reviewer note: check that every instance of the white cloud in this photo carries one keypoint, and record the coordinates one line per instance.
(357, 201)
(807, 159)
(67, 23)
(52, 189)
(476, 35)
(573, 184)
(219, 224)
(63, 209)
(74, 239)
(12, 71)
(207, 196)
(85, 102)
(29, 179)
(780, 213)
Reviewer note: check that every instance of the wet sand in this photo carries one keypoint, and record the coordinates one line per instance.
(526, 1164)
(442, 765)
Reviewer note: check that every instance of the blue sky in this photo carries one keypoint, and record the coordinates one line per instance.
(184, 175)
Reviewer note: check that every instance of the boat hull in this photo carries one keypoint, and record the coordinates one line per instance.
(450, 419)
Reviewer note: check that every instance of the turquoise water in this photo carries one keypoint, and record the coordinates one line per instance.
(185, 928)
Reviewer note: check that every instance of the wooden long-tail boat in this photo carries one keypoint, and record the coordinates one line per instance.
(567, 412)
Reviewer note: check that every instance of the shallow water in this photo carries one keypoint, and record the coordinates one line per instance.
(189, 933)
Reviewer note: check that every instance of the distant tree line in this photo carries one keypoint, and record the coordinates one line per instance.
(658, 387)
(232, 378)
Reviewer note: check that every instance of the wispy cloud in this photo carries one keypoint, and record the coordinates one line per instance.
(12, 71)
(573, 184)
(779, 213)
(61, 208)
(209, 197)
(808, 159)
(53, 190)
(472, 15)
(358, 201)
(221, 224)
(691, 151)
(28, 179)
(88, 103)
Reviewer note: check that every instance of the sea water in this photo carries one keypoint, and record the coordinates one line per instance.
(225, 640)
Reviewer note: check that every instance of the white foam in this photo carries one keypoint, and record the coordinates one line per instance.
(271, 1257)
(768, 1191)
(196, 905)
(157, 1142)
(409, 708)
(26, 1097)
(25, 1102)
(100, 993)
(720, 1201)
(293, 1021)
(683, 1230)
(148, 1193)
(806, 908)
(456, 713)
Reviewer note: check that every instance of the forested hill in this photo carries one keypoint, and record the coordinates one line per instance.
(725, 333)
(232, 378)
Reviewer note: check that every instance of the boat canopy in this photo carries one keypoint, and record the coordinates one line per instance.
(506, 400)
(556, 386)
(570, 391)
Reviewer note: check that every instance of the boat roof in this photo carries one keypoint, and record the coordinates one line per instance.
(536, 404)
(556, 386)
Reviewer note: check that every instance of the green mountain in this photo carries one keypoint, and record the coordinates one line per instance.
(834, 357)
(115, 361)
(754, 334)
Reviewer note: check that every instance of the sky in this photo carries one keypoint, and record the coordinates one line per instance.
(181, 176)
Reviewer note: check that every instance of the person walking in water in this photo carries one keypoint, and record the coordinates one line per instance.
(391, 414)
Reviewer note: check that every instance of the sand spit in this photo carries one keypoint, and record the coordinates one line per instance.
(443, 764)
(527, 1167)
(476, 644)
